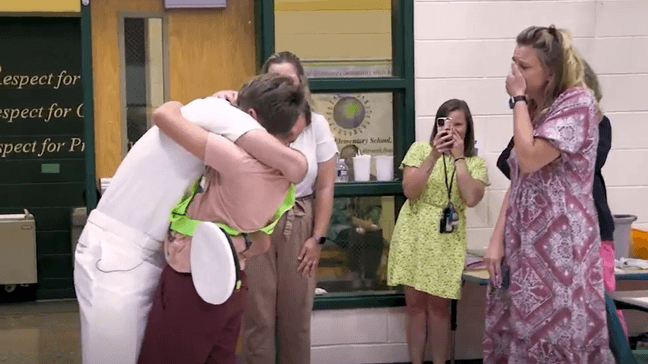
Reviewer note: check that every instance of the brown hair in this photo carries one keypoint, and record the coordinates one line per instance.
(592, 82)
(453, 105)
(277, 101)
(292, 59)
(555, 50)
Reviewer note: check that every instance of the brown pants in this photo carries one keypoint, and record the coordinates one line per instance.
(182, 328)
(276, 322)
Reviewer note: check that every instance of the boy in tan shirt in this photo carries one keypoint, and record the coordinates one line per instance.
(241, 193)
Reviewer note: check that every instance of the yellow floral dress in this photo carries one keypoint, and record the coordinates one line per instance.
(419, 255)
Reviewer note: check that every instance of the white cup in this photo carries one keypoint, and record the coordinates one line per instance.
(384, 167)
(361, 167)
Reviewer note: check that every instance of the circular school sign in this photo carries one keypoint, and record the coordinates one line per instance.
(349, 114)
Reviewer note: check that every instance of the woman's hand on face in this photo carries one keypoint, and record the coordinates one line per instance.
(229, 95)
(457, 145)
(515, 82)
(493, 261)
(442, 143)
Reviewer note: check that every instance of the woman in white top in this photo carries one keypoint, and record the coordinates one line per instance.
(276, 323)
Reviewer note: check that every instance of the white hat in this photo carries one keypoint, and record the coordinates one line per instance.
(214, 263)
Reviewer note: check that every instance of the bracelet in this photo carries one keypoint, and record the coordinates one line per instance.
(458, 159)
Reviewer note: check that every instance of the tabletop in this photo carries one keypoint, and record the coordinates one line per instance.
(637, 300)
(630, 274)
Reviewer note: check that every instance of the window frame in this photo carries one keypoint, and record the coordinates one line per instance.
(122, 65)
(401, 85)
(88, 101)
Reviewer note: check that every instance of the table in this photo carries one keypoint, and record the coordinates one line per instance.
(636, 300)
(631, 274)
(476, 276)
(631, 300)
(480, 277)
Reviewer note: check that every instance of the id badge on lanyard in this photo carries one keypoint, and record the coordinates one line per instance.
(449, 217)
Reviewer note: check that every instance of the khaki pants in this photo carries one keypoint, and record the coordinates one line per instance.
(276, 323)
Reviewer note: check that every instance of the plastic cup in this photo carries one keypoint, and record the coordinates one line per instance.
(361, 167)
(384, 168)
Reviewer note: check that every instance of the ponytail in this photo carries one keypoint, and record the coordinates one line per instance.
(573, 68)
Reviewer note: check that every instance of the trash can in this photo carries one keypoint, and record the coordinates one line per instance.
(78, 219)
(622, 227)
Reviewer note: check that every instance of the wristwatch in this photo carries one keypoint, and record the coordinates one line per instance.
(320, 240)
(513, 100)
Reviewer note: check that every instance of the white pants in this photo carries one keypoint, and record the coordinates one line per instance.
(116, 273)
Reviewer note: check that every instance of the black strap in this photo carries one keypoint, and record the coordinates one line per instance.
(248, 242)
(445, 174)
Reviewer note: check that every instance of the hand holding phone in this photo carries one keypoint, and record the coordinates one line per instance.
(443, 141)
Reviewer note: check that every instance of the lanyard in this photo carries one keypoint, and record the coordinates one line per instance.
(445, 174)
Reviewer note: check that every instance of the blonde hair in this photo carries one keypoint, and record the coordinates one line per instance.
(555, 49)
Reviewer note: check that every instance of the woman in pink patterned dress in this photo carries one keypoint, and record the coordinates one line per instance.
(545, 301)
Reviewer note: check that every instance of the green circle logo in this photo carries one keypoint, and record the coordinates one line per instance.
(349, 112)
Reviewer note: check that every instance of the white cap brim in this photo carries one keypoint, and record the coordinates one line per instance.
(213, 268)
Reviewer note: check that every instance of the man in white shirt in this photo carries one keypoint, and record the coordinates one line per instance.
(119, 256)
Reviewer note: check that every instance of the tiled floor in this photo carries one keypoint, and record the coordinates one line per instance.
(44, 333)
(40, 332)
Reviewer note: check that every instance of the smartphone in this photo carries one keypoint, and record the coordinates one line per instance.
(443, 125)
(506, 277)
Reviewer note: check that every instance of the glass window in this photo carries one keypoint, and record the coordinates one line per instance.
(337, 38)
(361, 123)
(354, 257)
(359, 56)
(143, 62)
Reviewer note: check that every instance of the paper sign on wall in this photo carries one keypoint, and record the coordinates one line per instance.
(364, 120)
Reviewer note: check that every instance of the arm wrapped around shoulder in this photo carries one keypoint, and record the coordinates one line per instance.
(271, 152)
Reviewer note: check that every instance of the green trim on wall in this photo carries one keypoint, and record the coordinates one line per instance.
(376, 84)
(88, 107)
(338, 301)
(409, 119)
(353, 189)
(264, 11)
(397, 39)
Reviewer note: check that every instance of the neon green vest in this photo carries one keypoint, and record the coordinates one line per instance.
(181, 223)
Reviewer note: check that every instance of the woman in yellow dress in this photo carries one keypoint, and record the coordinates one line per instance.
(440, 179)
